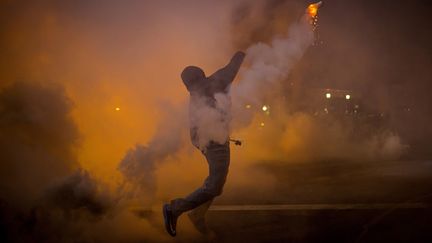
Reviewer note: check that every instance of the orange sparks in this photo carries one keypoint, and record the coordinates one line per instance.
(312, 13)
(312, 9)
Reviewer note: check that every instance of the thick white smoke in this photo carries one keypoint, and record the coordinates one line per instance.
(268, 64)
(212, 122)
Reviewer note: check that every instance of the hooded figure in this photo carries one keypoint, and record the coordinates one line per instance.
(209, 110)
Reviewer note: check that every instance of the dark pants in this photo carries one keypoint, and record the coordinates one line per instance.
(218, 159)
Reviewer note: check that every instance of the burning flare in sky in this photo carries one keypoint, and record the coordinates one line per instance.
(312, 11)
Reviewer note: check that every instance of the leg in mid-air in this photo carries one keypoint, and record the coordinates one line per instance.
(218, 158)
(197, 217)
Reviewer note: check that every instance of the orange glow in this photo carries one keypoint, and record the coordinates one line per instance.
(312, 13)
(312, 10)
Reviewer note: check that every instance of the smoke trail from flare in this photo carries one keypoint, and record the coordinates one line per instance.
(271, 63)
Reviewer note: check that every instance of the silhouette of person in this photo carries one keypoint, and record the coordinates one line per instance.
(204, 93)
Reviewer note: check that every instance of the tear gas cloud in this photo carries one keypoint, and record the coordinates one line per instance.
(38, 140)
(73, 166)
(41, 179)
(269, 64)
(294, 135)
(139, 165)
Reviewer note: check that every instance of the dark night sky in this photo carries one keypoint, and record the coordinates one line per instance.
(393, 37)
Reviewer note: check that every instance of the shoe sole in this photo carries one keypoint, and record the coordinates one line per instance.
(167, 220)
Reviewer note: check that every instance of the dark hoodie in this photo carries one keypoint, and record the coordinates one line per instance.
(202, 89)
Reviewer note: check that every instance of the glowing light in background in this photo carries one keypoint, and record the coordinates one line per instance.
(328, 95)
(265, 108)
(262, 124)
(117, 108)
(347, 96)
(248, 106)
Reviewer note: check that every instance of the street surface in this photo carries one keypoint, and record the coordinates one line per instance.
(386, 201)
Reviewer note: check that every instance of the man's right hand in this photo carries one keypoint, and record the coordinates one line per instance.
(238, 57)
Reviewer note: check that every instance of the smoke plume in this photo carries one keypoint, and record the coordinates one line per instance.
(139, 165)
(268, 65)
(38, 139)
(44, 194)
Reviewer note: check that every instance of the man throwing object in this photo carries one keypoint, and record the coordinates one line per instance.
(209, 114)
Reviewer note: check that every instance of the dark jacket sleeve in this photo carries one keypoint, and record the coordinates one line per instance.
(226, 75)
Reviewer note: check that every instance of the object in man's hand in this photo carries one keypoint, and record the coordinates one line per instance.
(236, 142)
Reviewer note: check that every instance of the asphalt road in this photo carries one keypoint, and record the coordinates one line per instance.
(351, 225)
(331, 202)
(328, 201)
(338, 182)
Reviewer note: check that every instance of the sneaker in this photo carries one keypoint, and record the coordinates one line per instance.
(169, 219)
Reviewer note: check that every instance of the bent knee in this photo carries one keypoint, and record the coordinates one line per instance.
(215, 189)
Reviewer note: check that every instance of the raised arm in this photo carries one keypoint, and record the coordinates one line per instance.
(226, 75)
